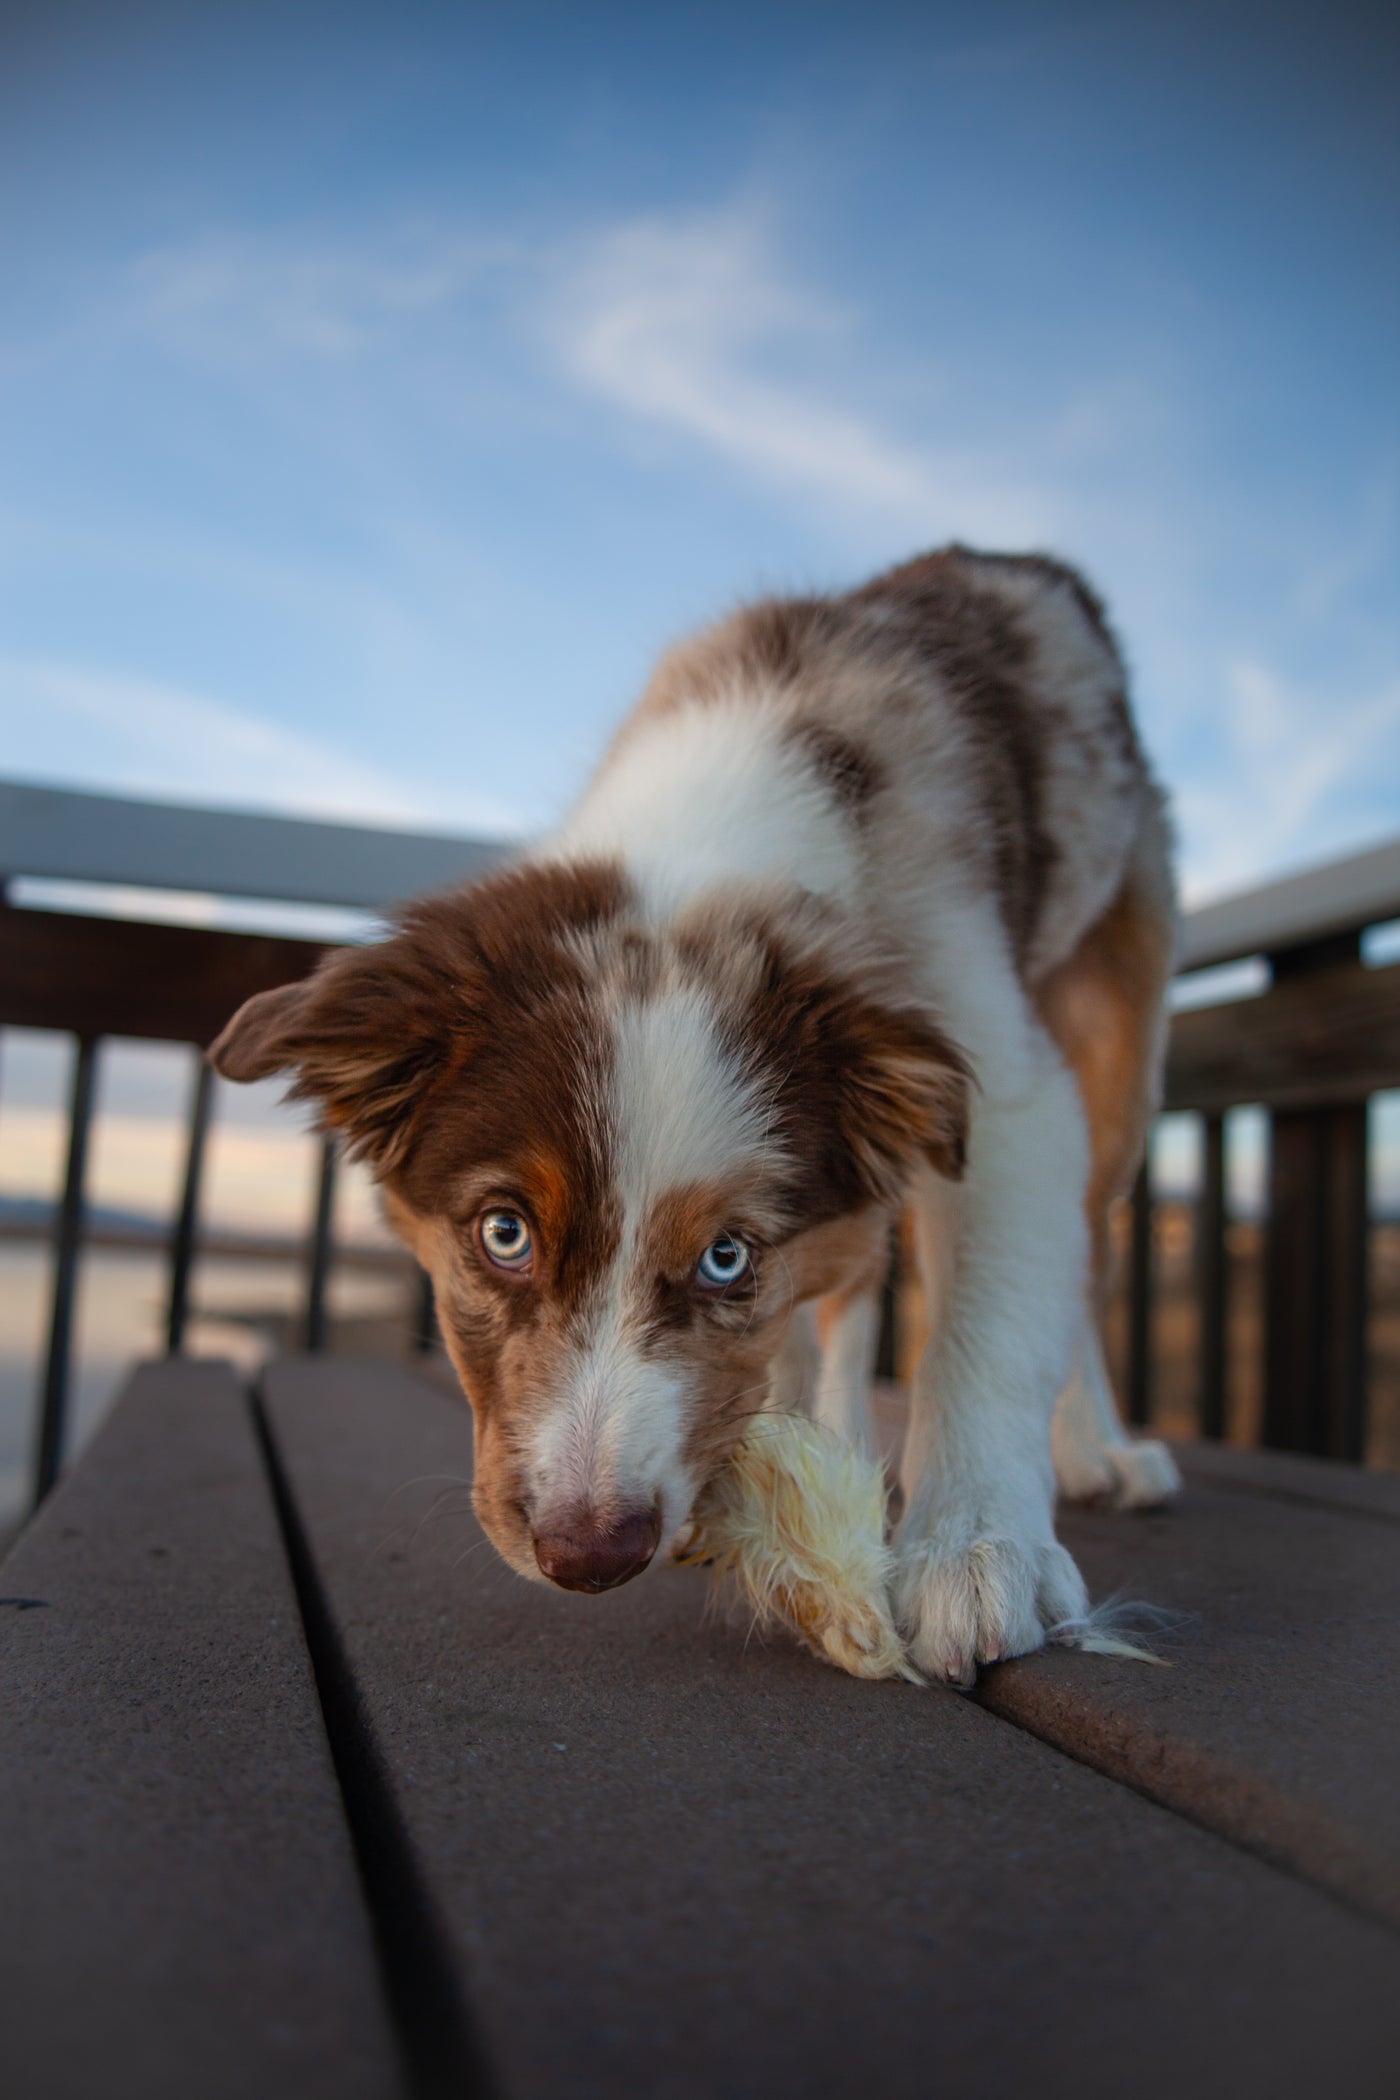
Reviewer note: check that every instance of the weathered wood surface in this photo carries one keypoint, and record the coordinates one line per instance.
(170, 984)
(1278, 1722)
(667, 1859)
(233, 853)
(181, 1911)
(1329, 1036)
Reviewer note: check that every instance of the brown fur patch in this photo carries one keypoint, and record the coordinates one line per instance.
(852, 774)
(982, 653)
(374, 1032)
(861, 1083)
(1104, 1007)
(773, 643)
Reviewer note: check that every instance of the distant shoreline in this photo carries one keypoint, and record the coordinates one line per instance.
(29, 1222)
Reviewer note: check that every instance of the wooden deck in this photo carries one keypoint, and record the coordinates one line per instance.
(305, 1794)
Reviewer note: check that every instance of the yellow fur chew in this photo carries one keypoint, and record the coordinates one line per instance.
(797, 1518)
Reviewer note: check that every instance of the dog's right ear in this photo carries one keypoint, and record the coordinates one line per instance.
(371, 1030)
(364, 1036)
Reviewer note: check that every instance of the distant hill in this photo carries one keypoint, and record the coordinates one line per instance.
(37, 1213)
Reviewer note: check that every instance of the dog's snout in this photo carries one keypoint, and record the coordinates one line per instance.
(591, 1552)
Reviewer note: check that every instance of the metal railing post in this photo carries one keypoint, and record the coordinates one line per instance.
(1315, 1295)
(1317, 1256)
(321, 1250)
(183, 1246)
(1140, 1301)
(1213, 1277)
(53, 1406)
(425, 1325)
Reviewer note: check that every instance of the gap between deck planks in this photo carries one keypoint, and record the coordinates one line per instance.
(667, 1859)
(1277, 1724)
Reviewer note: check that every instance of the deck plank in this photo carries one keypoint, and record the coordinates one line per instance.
(670, 1860)
(181, 1912)
(1277, 1723)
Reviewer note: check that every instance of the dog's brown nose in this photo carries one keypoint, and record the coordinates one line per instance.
(597, 1553)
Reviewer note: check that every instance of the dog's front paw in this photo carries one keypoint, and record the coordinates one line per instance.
(983, 1602)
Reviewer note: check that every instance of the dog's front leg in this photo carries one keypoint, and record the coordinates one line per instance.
(1003, 1254)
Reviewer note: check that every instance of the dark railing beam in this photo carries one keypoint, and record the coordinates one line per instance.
(167, 984)
(425, 1325)
(319, 1265)
(1140, 1301)
(187, 1224)
(53, 1404)
(887, 1341)
(1315, 1289)
(1317, 1254)
(1213, 1278)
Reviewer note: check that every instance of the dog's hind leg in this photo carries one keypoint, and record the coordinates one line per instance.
(793, 1373)
(1095, 1459)
(1105, 1009)
(849, 1325)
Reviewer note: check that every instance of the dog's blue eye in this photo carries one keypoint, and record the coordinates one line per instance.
(506, 1239)
(724, 1261)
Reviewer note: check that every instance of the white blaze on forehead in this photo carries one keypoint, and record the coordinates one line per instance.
(682, 1109)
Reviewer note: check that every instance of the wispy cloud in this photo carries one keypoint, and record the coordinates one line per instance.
(692, 322)
(1293, 782)
(159, 739)
(689, 322)
(242, 296)
(698, 326)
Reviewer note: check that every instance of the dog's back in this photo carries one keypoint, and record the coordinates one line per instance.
(962, 714)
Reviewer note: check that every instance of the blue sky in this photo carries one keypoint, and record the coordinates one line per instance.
(381, 387)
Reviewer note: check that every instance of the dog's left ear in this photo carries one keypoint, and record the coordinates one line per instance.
(867, 1083)
(905, 1094)
(364, 1036)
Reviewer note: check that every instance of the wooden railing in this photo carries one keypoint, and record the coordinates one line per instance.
(1311, 1049)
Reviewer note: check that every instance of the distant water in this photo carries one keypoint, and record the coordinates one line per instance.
(121, 1314)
